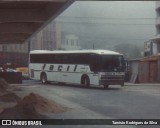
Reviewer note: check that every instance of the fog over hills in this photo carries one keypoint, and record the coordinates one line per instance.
(105, 24)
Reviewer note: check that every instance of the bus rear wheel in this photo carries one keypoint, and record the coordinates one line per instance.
(43, 78)
(85, 81)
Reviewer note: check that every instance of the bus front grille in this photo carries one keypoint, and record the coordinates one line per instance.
(106, 77)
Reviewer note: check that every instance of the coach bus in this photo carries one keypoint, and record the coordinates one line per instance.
(83, 67)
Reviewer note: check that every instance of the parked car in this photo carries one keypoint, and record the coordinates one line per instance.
(7, 70)
(24, 71)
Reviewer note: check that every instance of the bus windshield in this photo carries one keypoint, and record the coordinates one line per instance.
(111, 63)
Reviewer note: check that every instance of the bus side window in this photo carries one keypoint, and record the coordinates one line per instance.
(71, 59)
(52, 58)
(56, 58)
(65, 59)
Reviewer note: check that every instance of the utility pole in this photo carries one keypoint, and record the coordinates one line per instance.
(29, 46)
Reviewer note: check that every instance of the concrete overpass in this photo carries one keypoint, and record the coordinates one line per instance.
(21, 19)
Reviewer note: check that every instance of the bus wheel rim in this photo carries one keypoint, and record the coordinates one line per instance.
(43, 78)
(85, 82)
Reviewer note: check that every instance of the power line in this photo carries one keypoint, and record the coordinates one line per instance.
(111, 38)
(107, 18)
(71, 22)
(99, 21)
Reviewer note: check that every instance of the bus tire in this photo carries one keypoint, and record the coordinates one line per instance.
(85, 81)
(43, 78)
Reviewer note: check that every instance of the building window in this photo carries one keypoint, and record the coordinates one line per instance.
(11, 48)
(77, 42)
(158, 47)
(72, 42)
(24, 47)
(158, 29)
(158, 12)
(20, 47)
(67, 42)
(15, 47)
(4, 48)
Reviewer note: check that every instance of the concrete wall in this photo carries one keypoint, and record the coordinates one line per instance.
(134, 66)
(158, 71)
(143, 74)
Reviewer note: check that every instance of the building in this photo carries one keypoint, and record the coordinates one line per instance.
(148, 68)
(18, 53)
(18, 48)
(152, 47)
(52, 37)
(71, 42)
(49, 38)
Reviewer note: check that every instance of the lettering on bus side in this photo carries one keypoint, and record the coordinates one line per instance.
(51, 67)
(68, 68)
(60, 68)
(75, 68)
(43, 67)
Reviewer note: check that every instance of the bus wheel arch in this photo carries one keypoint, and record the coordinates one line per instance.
(43, 77)
(85, 80)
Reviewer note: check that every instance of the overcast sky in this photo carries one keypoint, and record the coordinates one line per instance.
(105, 23)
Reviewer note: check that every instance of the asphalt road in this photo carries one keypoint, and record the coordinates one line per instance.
(129, 102)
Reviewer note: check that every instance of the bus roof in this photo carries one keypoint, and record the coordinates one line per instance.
(108, 52)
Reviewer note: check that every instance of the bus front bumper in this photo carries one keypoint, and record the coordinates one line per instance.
(111, 82)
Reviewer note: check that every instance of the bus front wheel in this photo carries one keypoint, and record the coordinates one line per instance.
(44, 78)
(85, 81)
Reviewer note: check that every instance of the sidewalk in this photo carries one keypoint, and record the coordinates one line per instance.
(149, 88)
(141, 84)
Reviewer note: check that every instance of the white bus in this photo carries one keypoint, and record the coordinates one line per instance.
(85, 67)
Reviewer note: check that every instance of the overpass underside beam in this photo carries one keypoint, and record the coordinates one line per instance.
(21, 19)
